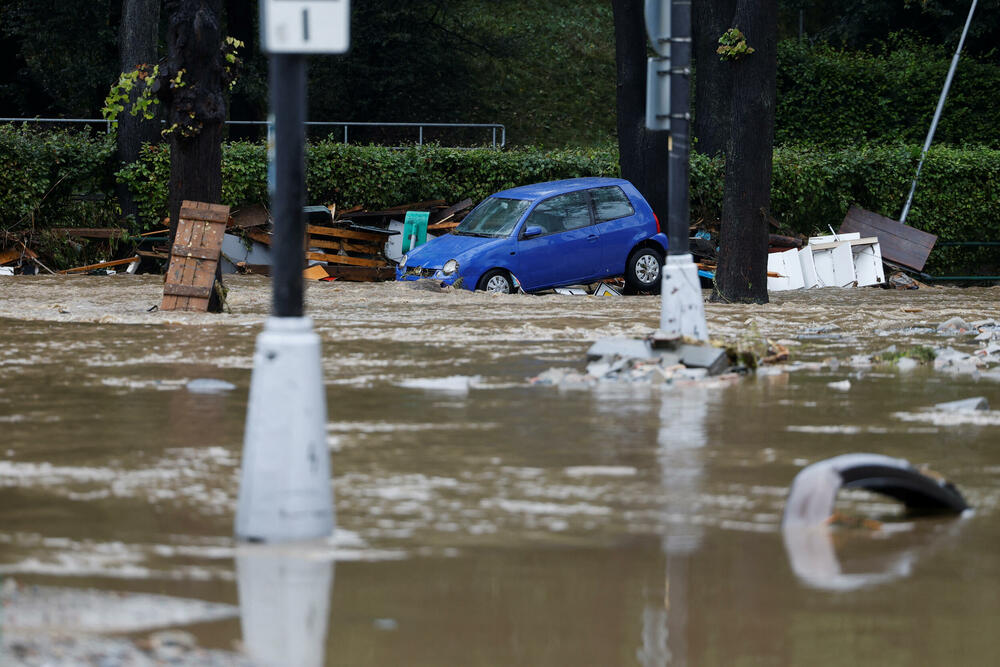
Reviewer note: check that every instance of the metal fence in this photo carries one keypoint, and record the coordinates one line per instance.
(493, 134)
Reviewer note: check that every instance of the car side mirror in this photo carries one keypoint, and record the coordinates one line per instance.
(532, 230)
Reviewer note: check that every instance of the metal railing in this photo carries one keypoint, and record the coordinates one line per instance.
(493, 128)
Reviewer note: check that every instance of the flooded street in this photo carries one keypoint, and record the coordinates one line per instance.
(483, 520)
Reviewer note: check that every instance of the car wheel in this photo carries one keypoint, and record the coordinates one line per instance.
(643, 271)
(496, 280)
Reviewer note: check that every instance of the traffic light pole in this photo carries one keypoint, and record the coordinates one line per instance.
(285, 491)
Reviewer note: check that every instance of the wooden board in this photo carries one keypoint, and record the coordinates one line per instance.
(343, 259)
(250, 216)
(7, 256)
(194, 256)
(362, 273)
(900, 244)
(102, 265)
(347, 246)
(315, 230)
(448, 213)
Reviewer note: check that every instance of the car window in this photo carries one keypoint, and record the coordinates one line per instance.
(610, 203)
(495, 217)
(561, 213)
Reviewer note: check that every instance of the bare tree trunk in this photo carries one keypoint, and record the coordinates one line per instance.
(196, 106)
(746, 202)
(713, 80)
(138, 45)
(642, 154)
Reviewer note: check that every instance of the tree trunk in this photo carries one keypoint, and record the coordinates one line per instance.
(746, 202)
(196, 109)
(138, 45)
(713, 80)
(642, 154)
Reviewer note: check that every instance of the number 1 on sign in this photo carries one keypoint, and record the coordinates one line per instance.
(305, 24)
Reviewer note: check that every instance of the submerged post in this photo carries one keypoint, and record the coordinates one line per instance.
(285, 489)
(682, 310)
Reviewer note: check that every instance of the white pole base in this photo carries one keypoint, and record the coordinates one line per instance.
(682, 311)
(285, 492)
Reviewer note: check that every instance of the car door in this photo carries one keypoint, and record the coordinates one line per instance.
(568, 250)
(616, 223)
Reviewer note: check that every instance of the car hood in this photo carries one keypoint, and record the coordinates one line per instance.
(436, 252)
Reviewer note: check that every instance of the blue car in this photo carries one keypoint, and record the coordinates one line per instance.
(548, 235)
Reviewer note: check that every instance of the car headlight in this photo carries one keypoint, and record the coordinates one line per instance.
(402, 262)
(450, 267)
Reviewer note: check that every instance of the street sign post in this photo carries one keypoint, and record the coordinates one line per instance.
(285, 489)
(668, 22)
(305, 26)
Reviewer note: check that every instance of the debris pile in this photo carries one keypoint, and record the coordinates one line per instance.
(350, 244)
(656, 362)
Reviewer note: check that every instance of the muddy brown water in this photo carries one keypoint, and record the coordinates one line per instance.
(483, 520)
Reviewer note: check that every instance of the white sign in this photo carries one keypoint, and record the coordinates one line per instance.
(305, 26)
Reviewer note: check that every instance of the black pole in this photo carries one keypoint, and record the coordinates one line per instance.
(288, 104)
(678, 218)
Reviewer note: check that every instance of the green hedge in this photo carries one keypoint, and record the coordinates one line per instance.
(374, 176)
(55, 179)
(958, 198)
(837, 98)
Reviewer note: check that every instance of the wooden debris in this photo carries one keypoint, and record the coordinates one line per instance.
(900, 244)
(102, 265)
(194, 256)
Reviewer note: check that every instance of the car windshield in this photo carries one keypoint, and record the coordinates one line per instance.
(495, 217)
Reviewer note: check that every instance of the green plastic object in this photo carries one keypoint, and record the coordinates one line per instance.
(415, 229)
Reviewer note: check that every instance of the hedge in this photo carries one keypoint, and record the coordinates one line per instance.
(958, 198)
(837, 98)
(55, 179)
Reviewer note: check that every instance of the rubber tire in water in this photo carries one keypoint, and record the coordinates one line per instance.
(494, 275)
(634, 269)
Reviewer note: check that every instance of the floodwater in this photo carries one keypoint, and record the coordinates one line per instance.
(483, 520)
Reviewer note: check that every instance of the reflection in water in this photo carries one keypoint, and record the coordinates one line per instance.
(814, 560)
(681, 440)
(284, 604)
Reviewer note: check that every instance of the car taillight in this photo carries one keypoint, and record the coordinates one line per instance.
(658, 230)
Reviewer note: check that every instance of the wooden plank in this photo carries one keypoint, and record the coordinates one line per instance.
(344, 259)
(9, 255)
(259, 237)
(196, 252)
(188, 290)
(338, 232)
(250, 216)
(204, 269)
(900, 244)
(448, 213)
(362, 273)
(442, 226)
(199, 210)
(158, 232)
(395, 210)
(101, 265)
(344, 245)
(315, 272)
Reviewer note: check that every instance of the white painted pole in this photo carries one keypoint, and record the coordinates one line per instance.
(938, 110)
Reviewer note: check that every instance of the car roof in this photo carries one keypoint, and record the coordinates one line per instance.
(537, 191)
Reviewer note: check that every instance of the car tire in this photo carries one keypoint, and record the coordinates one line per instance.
(643, 271)
(496, 280)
